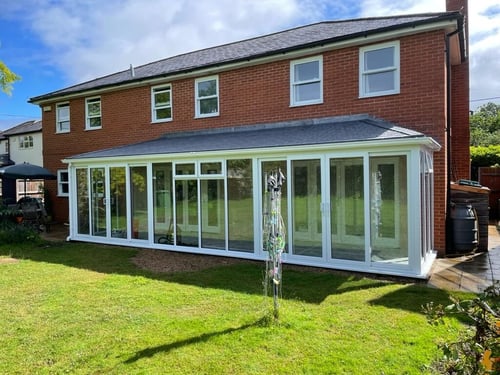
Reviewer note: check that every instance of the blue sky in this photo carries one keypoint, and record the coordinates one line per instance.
(53, 44)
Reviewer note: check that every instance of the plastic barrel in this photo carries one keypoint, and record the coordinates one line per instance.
(464, 228)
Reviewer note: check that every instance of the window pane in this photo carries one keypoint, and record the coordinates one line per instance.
(163, 113)
(388, 204)
(139, 199)
(94, 109)
(98, 202)
(213, 224)
(347, 208)
(118, 202)
(95, 122)
(307, 71)
(164, 228)
(208, 106)
(162, 98)
(240, 205)
(211, 168)
(63, 112)
(308, 91)
(184, 169)
(207, 88)
(82, 196)
(380, 82)
(380, 58)
(306, 203)
(186, 212)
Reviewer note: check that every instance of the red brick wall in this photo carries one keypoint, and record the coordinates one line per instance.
(260, 94)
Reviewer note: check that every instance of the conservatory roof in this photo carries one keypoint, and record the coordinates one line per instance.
(332, 130)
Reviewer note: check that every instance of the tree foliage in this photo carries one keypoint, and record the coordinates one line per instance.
(7, 78)
(485, 125)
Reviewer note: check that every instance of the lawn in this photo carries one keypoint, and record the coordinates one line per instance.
(87, 309)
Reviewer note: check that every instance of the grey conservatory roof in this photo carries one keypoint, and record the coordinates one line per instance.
(342, 129)
(314, 35)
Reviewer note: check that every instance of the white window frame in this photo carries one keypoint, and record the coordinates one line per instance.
(60, 120)
(198, 99)
(296, 83)
(363, 74)
(88, 117)
(25, 142)
(62, 182)
(160, 89)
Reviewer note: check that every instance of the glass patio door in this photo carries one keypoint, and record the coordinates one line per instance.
(98, 202)
(118, 202)
(306, 208)
(388, 209)
(347, 212)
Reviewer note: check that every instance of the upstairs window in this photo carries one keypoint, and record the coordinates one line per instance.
(161, 99)
(306, 81)
(62, 118)
(207, 96)
(379, 70)
(93, 113)
(25, 142)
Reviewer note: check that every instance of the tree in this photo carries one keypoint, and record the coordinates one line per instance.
(7, 78)
(485, 125)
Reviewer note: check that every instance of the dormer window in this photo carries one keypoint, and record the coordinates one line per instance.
(379, 70)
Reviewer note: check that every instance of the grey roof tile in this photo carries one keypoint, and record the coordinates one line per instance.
(267, 45)
(24, 128)
(330, 130)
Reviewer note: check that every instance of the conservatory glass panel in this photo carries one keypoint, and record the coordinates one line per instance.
(164, 230)
(118, 202)
(388, 209)
(98, 201)
(139, 199)
(213, 224)
(82, 193)
(306, 206)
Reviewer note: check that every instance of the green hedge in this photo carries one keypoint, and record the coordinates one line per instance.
(485, 156)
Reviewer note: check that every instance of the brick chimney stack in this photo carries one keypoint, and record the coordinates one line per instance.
(460, 101)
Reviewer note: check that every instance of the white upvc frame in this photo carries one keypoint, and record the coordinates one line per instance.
(295, 83)
(61, 182)
(89, 116)
(63, 123)
(199, 99)
(364, 74)
(168, 105)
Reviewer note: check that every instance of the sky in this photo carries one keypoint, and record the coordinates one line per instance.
(53, 44)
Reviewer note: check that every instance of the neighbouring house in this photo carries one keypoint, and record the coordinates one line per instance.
(368, 119)
(19, 144)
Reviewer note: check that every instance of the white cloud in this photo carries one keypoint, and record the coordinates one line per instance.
(89, 39)
(86, 39)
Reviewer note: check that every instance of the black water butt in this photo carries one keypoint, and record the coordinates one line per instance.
(464, 228)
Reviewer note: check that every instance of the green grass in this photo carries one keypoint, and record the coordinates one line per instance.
(86, 309)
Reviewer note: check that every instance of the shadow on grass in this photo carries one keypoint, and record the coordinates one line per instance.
(299, 283)
(150, 352)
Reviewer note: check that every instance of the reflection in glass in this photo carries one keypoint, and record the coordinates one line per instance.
(240, 205)
(139, 199)
(306, 201)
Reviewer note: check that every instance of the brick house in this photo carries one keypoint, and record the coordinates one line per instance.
(367, 119)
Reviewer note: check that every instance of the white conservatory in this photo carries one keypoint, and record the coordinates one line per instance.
(357, 196)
